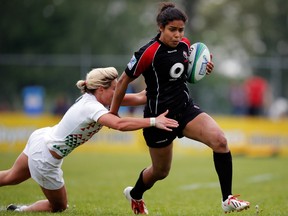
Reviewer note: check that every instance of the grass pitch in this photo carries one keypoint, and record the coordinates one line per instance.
(95, 183)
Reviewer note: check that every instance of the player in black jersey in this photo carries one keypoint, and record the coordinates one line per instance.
(163, 62)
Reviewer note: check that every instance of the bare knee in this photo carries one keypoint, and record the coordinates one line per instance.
(219, 143)
(162, 174)
(59, 207)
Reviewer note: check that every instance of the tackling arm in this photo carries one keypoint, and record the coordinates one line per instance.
(130, 123)
(119, 93)
(134, 99)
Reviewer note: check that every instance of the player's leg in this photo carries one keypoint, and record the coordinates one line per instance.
(18, 173)
(203, 128)
(46, 171)
(159, 169)
(56, 202)
(161, 163)
(57, 199)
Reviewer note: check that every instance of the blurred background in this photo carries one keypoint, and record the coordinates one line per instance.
(51, 44)
(46, 46)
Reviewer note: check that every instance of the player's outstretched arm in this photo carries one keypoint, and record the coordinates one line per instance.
(130, 123)
(134, 99)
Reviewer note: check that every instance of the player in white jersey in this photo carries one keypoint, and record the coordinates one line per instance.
(44, 152)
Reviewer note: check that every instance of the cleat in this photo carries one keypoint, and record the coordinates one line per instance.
(138, 206)
(13, 207)
(232, 204)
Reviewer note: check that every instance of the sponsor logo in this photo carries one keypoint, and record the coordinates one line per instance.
(132, 62)
(161, 141)
(171, 51)
(185, 55)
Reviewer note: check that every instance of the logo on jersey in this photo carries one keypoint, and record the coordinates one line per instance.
(172, 51)
(176, 70)
(132, 62)
(185, 55)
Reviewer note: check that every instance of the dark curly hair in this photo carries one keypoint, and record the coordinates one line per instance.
(168, 12)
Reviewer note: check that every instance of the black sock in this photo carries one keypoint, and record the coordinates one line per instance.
(223, 166)
(139, 188)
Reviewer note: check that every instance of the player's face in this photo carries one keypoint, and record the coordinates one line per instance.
(172, 33)
(106, 95)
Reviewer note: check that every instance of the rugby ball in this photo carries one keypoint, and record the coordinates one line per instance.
(199, 56)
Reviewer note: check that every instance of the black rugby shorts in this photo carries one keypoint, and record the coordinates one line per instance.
(158, 138)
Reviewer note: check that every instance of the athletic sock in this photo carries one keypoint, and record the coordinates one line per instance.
(223, 166)
(22, 208)
(139, 188)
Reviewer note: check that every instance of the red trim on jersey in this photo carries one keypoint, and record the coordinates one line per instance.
(146, 59)
(186, 41)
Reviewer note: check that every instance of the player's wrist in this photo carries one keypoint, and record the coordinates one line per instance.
(152, 122)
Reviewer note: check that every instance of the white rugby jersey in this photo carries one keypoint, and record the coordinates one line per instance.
(77, 126)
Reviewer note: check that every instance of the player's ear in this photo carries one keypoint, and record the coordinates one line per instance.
(100, 89)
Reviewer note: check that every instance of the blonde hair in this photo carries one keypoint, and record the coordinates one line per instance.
(96, 78)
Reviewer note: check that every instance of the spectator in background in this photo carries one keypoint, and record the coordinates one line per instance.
(279, 108)
(61, 106)
(256, 90)
(237, 98)
(5, 106)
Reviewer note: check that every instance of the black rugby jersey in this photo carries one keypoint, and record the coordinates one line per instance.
(165, 73)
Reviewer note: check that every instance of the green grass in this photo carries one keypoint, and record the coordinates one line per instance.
(95, 183)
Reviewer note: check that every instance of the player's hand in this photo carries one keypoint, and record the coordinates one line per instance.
(165, 123)
(210, 66)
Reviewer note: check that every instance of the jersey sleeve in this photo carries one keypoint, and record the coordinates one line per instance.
(142, 60)
(96, 110)
(186, 40)
(131, 66)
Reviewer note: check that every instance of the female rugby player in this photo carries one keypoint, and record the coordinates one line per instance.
(163, 62)
(44, 152)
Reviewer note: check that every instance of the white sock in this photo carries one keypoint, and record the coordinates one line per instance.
(22, 208)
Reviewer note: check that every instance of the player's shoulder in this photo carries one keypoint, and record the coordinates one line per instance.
(150, 45)
(89, 100)
(147, 52)
(186, 41)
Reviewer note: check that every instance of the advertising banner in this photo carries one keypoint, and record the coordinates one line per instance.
(246, 136)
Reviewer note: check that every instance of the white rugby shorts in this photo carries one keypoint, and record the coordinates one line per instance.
(44, 168)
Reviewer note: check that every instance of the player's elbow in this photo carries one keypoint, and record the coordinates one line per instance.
(120, 126)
